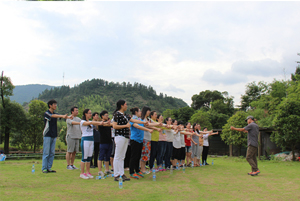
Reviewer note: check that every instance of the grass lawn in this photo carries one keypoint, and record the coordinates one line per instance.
(227, 179)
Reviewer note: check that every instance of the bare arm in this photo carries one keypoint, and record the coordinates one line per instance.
(61, 116)
(95, 123)
(238, 129)
(138, 121)
(213, 134)
(142, 128)
(75, 123)
(193, 141)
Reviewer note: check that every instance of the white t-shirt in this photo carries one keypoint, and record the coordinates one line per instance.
(205, 140)
(170, 135)
(147, 135)
(177, 140)
(182, 140)
(86, 130)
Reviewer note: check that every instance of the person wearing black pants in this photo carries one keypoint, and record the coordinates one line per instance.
(136, 144)
(96, 135)
(206, 145)
(204, 154)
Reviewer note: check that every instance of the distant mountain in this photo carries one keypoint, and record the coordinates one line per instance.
(104, 94)
(25, 93)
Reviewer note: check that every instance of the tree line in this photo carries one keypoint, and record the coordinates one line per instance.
(274, 105)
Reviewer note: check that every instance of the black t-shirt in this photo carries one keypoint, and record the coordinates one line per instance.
(121, 120)
(50, 129)
(105, 134)
(96, 135)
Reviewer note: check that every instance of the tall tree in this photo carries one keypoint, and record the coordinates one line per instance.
(205, 98)
(236, 138)
(6, 90)
(287, 124)
(201, 117)
(253, 93)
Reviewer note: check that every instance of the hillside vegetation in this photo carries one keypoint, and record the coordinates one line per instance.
(98, 94)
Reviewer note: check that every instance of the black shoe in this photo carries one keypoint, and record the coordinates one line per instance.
(206, 164)
(45, 171)
(125, 178)
(116, 179)
(51, 171)
(92, 166)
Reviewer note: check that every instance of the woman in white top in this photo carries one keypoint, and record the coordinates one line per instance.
(206, 145)
(87, 142)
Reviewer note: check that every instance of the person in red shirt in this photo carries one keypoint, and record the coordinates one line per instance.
(187, 140)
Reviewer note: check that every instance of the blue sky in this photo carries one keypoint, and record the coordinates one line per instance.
(179, 48)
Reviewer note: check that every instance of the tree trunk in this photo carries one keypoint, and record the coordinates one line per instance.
(293, 152)
(230, 150)
(6, 140)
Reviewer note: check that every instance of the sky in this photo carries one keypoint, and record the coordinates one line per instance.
(179, 48)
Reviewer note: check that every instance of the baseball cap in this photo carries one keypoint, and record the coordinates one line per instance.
(249, 117)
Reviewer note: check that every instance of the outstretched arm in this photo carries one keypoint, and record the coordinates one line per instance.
(116, 126)
(238, 129)
(142, 128)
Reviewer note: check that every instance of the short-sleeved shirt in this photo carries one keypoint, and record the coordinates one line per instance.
(205, 140)
(147, 135)
(155, 134)
(253, 131)
(105, 134)
(87, 131)
(121, 121)
(170, 135)
(50, 129)
(182, 140)
(73, 131)
(162, 135)
(196, 137)
(96, 134)
(187, 141)
(177, 140)
(136, 134)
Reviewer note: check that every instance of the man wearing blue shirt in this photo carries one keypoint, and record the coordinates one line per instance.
(50, 134)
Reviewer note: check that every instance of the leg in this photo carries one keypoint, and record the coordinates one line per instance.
(73, 155)
(46, 152)
(133, 156)
(52, 153)
(251, 153)
(159, 153)
(153, 154)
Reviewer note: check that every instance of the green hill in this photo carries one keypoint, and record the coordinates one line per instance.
(104, 95)
(25, 93)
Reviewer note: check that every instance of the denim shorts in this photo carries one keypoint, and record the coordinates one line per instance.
(188, 149)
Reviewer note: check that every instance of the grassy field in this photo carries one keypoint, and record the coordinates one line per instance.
(227, 179)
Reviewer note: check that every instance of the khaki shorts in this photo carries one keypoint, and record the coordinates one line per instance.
(73, 144)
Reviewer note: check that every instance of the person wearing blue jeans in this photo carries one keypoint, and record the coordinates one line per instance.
(50, 134)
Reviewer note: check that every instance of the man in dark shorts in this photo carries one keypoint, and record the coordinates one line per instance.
(253, 130)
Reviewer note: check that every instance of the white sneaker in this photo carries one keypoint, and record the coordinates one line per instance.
(69, 167)
(74, 167)
(101, 174)
(89, 175)
(84, 176)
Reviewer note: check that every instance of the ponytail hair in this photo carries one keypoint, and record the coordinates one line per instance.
(134, 110)
(85, 111)
(144, 111)
(119, 104)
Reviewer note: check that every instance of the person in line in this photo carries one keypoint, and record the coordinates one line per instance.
(182, 149)
(162, 143)
(154, 141)
(195, 144)
(50, 135)
(169, 144)
(113, 146)
(252, 130)
(87, 142)
(206, 145)
(176, 152)
(146, 150)
(136, 144)
(105, 145)
(96, 134)
(121, 125)
(72, 138)
(187, 140)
